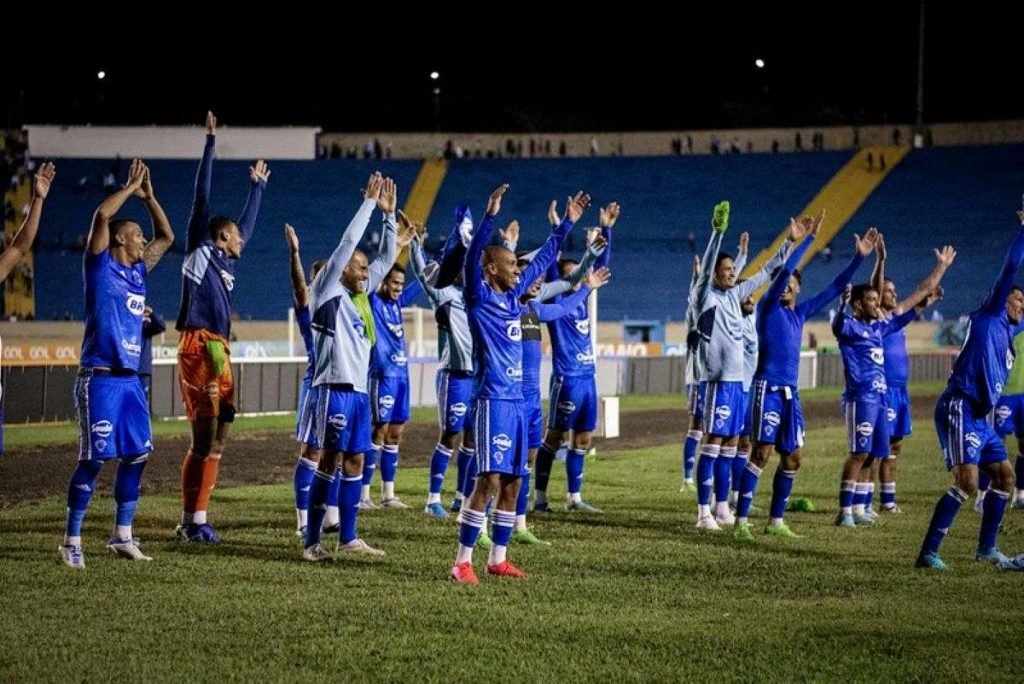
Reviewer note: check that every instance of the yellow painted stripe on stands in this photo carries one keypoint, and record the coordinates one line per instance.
(841, 197)
(420, 200)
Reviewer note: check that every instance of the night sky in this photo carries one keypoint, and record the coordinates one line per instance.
(535, 72)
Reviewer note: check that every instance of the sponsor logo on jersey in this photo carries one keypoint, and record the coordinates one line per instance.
(339, 421)
(583, 326)
(102, 428)
(502, 441)
(566, 406)
(136, 303)
(514, 330)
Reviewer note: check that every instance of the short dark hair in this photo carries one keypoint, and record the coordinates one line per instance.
(860, 290)
(219, 223)
(795, 274)
(117, 225)
(316, 267)
(1017, 288)
(396, 268)
(722, 256)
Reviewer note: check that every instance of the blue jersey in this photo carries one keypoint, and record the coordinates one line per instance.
(986, 357)
(208, 273)
(115, 298)
(897, 362)
(304, 320)
(535, 313)
(494, 317)
(780, 328)
(388, 359)
(860, 344)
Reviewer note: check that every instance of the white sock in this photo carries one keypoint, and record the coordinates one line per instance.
(199, 518)
(332, 517)
(575, 498)
(123, 532)
(520, 523)
(72, 541)
(389, 490)
(301, 517)
(465, 555)
(775, 522)
(498, 553)
(722, 509)
(703, 511)
(433, 498)
(364, 494)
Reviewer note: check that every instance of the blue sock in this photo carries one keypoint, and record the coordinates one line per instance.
(472, 466)
(469, 528)
(782, 485)
(574, 470)
(739, 464)
(523, 502)
(1018, 471)
(80, 489)
(706, 473)
(502, 525)
(869, 494)
(846, 493)
(992, 510)
(388, 462)
(438, 467)
(942, 519)
(888, 494)
(983, 481)
(304, 472)
(322, 484)
(749, 478)
(370, 459)
(348, 507)
(462, 462)
(333, 493)
(127, 487)
(690, 446)
(723, 473)
(860, 494)
(542, 469)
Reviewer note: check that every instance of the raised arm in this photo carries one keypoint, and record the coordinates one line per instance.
(99, 233)
(388, 251)
(741, 252)
(862, 248)
(773, 295)
(996, 299)
(577, 274)
(199, 216)
(797, 231)
(26, 235)
(944, 259)
(839, 321)
(878, 273)
(609, 215)
(409, 231)
(473, 277)
(163, 235)
(565, 306)
(575, 206)
(300, 292)
(453, 256)
(328, 280)
(418, 267)
(258, 177)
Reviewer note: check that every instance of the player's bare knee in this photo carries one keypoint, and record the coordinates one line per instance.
(394, 435)
(582, 440)
(352, 464)
(760, 454)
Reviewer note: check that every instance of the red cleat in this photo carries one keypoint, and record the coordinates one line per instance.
(463, 573)
(505, 569)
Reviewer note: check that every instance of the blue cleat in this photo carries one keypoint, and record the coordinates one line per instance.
(437, 510)
(456, 505)
(198, 534)
(930, 560)
(990, 555)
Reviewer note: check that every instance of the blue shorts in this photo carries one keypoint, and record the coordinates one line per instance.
(867, 427)
(695, 399)
(113, 416)
(342, 420)
(898, 412)
(534, 422)
(1009, 415)
(573, 403)
(776, 416)
(723, 408)
(745, 428)
(501, 437)
(389, 398)
(964, 437)
(454, 400)
(305, 423)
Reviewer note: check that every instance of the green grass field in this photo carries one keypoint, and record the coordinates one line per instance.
(635, 594)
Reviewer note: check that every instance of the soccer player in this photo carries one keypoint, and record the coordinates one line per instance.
(968, 440)
(389, 381)
(718, 298)
(494, 285)
(777, 420)
(113, 414)
(214, 244)
(897, 368)
(1009, 415)
(343, 339)
(572, 399)
(867, 425)
(22, 243)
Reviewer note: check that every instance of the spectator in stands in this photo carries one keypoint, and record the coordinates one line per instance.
(798, 142)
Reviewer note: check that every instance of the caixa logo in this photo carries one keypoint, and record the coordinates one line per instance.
(514, 373)
(102, 428)
(566, 406)
(136, 304)
(514, 330)
(339, 421)
(502, 441)
(399, 359)
(386, 402)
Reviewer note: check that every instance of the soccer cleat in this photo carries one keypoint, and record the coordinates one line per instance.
(333, 528)
(742, 532)
(463, 573)
(72, 556)
(316, 554)
(581, 507)
(456, 505)
(127, 549)
(707, 522)
(505, 569)
(863, 519)
(198, 534)
(688, 486)
(437, 510)
(782, 531)
(891, 508)
(930, 560)
(801, 505)
(990, 555)
(359, 546)
(541, 507)
(591, 454)
(483, 541)
(393, 502)
(1015, 564)
(365, 505)
(845, 520)
(727, 519)
(528, 537)
(1018, 504)
(871, 513)
(301, 532)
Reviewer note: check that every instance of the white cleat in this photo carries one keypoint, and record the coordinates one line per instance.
(708, 523)
(316, 554)
(359, 546)
(72, 557)
(725, 518)
(393, 502)
(127, 549)
(366, 505)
